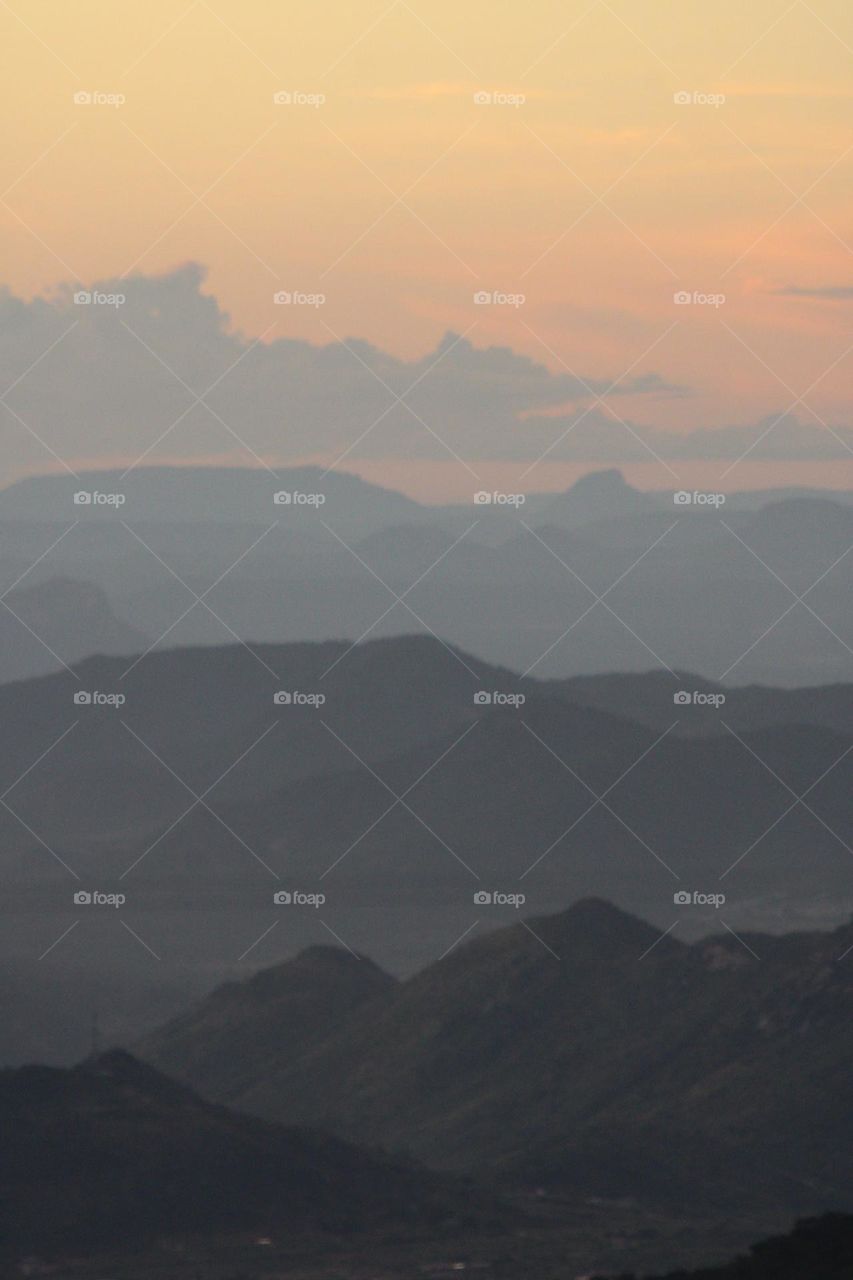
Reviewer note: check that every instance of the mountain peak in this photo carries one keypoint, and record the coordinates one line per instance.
(601, 922)
(610, 480)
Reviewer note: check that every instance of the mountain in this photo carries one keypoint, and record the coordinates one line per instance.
(199, 711)
(649, 698)
(225, 495)
(819, 1248)
(600, 578)
(112, 1154)
(404, 553)
(403, 795)
(59, 621)
(596, 496)
(588, 1052)
(509, 800)
(279, 1012)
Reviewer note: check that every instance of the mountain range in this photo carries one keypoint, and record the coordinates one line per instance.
(584, 1052)
(399, 798)
(602, 577)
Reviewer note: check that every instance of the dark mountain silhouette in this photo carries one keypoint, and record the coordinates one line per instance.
(502, 796)
(585, 1051)
(817, 1248)
(514, 804)
(112, 1154)
(594, 496)
(649, 698)
(282, 1011)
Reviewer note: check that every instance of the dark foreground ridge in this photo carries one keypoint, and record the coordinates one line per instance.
(112, 1154)
(817, 1249)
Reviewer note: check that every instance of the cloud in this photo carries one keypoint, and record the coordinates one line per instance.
(97, 384)
(835, 293)
(110, 379)
(779, 437)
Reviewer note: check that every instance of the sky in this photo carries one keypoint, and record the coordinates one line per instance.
(582, 166)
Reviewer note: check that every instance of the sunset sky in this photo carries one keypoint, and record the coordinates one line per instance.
(398, 196)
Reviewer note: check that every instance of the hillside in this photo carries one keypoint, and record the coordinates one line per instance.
(699, 1073)
(111, 1153)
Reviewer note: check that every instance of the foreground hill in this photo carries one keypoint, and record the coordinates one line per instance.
(113, 1153)
(584, 1052)
(817, 1249)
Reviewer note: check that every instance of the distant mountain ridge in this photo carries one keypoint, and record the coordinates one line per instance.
(59, 621)
(602, 577)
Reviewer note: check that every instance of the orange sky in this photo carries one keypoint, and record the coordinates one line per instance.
(399, 196)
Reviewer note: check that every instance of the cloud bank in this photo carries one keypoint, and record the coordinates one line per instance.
(116, 376)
